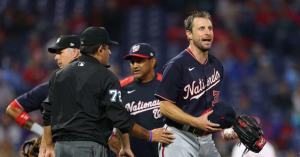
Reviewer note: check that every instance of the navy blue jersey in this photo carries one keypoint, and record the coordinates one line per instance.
(190, 85)
(139, 100)
(33, 99)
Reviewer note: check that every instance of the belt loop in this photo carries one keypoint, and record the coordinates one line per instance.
(194, 130)
(185, 127)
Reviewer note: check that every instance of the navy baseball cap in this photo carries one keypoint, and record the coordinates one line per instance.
(223, 114)
(140, 50)
(95, 35)
(65, 41)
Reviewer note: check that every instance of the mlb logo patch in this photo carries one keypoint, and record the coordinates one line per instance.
(81, 64)
(135, 48)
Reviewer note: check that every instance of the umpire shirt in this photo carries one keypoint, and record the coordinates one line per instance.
(84, 103)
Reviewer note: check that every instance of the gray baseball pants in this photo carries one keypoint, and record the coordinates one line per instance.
(187, 144)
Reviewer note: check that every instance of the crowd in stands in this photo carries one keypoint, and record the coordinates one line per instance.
(256, 40)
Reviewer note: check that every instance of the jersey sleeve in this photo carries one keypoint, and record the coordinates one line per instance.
(169, 86)
(33, 99)
(114, 110)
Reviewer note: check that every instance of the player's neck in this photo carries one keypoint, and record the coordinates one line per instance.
(149, 77)
(200, 55)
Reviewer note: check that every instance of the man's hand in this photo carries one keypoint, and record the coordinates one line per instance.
(162, 135)
(126, 152)
(125, 147)
(42, 149)
(42, 152)
(203, 123)
(114, 142)
(49, 151)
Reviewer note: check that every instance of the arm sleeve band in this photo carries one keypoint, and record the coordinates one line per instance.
(23, 117)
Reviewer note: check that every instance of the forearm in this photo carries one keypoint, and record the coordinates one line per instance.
(139, 132)
(49, 146)
(47, 135)
(173, 112)
(16, 111)
(42, 149)
(22, 118)
(43, 142)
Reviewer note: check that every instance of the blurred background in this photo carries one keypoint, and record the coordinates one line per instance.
(256, 40)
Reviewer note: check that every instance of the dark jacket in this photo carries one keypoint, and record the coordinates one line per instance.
(84, 103)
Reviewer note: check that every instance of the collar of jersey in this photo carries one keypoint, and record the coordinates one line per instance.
(189, 51)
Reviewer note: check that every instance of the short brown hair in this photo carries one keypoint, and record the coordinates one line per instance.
(92, 49)
(188, 22)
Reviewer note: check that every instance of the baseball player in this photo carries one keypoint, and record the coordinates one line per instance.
(190, 87)
(138, 96)
(66, 49)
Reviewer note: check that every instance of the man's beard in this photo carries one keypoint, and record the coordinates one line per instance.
(200, 47)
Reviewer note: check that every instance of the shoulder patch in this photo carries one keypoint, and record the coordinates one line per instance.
(159, 76)
(126, 81)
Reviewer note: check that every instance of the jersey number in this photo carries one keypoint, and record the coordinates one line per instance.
(216, 99)
(115, 94)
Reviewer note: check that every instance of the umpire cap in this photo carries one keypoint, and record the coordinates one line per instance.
(223, 114)
(95, 35)
(141, 50)
(65, 41)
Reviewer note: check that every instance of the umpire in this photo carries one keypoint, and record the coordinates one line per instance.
(84, 103)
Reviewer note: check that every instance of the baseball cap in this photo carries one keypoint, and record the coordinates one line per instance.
(95, 35)
(223, 114)
(65, 41)
(141, 50)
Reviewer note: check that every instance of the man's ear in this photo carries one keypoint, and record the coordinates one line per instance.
(76, 53)
(153, 62)
(188, 34)
(100, 48)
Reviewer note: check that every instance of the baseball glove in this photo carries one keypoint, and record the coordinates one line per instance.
(249, 133)
(30, 148)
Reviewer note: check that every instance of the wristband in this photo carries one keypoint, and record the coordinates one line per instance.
(150, 136)
(14, 104)
(37, 128)
(22, 118)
